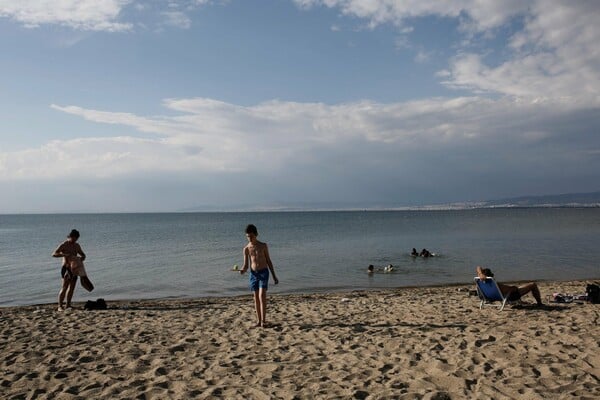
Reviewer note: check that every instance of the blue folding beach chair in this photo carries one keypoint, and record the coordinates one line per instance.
(489, 293)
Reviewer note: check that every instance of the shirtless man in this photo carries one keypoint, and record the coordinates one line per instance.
(260, 265)
(513, 293)
(72, 256)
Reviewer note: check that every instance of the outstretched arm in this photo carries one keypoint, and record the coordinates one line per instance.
(270, 264)
(245, 264)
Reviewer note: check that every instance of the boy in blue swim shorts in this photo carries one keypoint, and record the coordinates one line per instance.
(256, 256)
(259, 280)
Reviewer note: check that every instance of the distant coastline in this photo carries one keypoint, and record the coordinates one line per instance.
(433, 207)
(568, 200)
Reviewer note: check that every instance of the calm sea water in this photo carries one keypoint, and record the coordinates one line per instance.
(191, 254)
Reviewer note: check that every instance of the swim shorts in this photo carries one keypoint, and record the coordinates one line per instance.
(66, 273)
(514, 295)
(259, 279)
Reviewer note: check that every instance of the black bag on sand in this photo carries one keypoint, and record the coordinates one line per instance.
(593, 293)
(99, 304)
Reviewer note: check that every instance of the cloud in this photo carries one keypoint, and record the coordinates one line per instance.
(205, 151)
(481, 15)
(401, 43)
(423, 56)
(555, 54)
(528, 123)
(211, 136)
(94, 15)
(91, 15)
(176, 19)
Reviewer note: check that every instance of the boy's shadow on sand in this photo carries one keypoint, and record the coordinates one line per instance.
(360, 327)
(197, 306)
(363, 327)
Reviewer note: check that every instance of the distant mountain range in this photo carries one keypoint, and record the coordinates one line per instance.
(568, 200)
(557, 200)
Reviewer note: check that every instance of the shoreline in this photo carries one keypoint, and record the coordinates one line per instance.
(418, 343)
(426, 208)
(318, 291)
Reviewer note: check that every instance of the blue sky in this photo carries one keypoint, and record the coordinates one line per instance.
(126, 105)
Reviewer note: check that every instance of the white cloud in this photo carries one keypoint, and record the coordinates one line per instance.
(98, 15)
(212, 136)
(483, 15)
(177, 19)
(92, 15)
(213, 152)
(556, 54)
(423, 56)
(543, 124)
(401, 43)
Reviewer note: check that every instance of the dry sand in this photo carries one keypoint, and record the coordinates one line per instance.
(431, 343)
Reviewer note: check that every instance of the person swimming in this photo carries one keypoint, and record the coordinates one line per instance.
(370, 269)
(388, 268)
(425, 253)
(414, 253)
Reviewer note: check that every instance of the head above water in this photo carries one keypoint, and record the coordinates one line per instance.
(73, 235)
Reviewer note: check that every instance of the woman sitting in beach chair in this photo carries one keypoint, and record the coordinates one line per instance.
(512, 293)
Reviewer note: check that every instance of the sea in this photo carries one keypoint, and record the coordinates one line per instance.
(188, 255)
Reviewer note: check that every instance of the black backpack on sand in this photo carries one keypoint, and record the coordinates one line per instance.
(593, 293)
(99, 304)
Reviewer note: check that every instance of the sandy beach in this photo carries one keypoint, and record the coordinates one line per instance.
(411, 343)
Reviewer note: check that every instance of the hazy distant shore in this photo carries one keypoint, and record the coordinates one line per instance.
(568, 200)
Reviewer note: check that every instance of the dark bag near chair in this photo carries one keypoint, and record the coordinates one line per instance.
(593, 293)
(99, 304)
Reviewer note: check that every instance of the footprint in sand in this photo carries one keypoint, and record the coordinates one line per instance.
(480, 342)
(175, 349)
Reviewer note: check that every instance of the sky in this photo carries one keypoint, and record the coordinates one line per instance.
(174, 105)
